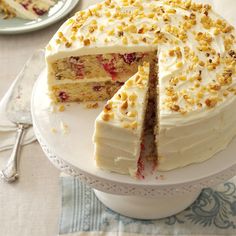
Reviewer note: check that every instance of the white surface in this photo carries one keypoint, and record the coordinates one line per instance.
(146, 208)
(76, 149)
(30, 207)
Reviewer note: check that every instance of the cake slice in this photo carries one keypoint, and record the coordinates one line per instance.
(119, 127)
(26, 9)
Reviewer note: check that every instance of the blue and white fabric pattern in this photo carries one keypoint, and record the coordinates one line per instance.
(214, 213)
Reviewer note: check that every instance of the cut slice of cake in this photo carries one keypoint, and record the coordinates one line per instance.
(119, 127)
(26, 9)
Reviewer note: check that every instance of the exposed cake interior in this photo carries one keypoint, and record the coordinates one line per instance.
(93, 77)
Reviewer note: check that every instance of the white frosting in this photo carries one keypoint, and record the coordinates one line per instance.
(90, 80)
(118, 140)
(200, 133)
(190, 102)
(182, 144)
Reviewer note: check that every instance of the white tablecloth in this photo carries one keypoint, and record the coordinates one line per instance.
(31, 206)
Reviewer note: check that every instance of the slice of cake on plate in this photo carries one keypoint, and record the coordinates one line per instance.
(26, 9)
(119, 128)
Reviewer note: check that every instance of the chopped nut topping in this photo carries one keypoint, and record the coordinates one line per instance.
(86, 42)
(206, 22)
(211, 102)
(174, 81)
(172, 11)
(132, 114)
(124, 40)
(132, 97)
(232, 53)
(107, 116)
(60, 34)
(175, 107)
(68, 44)
(107, 108)
(129, 83)
(225, 94)
(179, 64)
(171, 53)
(58, 41)
(169, 91)
(124, 105)
(183, 78)
(225, 78)
(134, 125)
(61, 108)
(123, 96)
(216, 87)
(93, 105)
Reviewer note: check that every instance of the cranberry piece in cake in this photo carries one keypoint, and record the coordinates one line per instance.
(77, 66)
(97, 88)
(38, 11)
(108, 66)
(129, 58)
(25, 5)
(63, 96)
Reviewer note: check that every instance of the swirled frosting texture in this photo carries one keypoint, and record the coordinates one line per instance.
(196, 52)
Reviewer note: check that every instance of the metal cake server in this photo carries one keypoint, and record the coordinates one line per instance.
(18, 109)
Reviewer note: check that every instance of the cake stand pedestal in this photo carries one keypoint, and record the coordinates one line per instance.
(146, 207)
(66, 138)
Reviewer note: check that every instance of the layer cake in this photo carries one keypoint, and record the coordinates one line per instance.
(98, 49)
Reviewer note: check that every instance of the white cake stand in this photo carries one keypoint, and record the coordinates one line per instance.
(158, 195)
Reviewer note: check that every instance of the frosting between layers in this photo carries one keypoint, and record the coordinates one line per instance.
(90, 80)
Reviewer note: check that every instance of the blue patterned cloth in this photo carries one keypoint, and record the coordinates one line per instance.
(213, 213)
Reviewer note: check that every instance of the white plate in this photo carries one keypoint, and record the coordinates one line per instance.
(74, 151)
(57, 12)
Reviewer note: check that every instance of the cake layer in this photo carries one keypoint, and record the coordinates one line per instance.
(88, 91)
(117, 67)
(119, 128)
